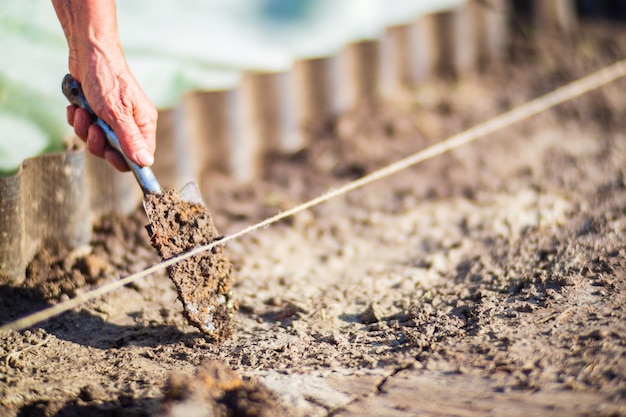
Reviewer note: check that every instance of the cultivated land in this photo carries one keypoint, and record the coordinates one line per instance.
(488, 281)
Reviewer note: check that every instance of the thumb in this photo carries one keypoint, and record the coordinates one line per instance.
(134, 145)
(132, 141)
(137, 138)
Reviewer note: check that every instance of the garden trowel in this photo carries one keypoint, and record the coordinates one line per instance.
(179, 222)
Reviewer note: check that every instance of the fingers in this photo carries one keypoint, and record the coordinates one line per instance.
(135, 123)
(94, 137)
(89, 133)
(131, 115)
(115, 159)
(135, 145)
(81, 122)
(71, 109)
(96, 141)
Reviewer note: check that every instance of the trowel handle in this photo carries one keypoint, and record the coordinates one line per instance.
(144, 175)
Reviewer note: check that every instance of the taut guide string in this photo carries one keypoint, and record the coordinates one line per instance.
(533, 107)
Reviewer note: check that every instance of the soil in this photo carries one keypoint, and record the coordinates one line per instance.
(216, 390)
(488, 281)
(203, 281)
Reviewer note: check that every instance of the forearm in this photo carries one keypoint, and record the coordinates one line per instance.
(90, 27)
(97, 61)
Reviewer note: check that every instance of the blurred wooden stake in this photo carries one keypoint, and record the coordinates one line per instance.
(493, 29)
(290, 135)
(55, 203)
(12, 230)
(254, 124)
(262, 89)
(432, 47)
(559, 14)
(466, 37)
(203, 124)
(313, 88)
(362, 75)
(174, 164)
(398, 59)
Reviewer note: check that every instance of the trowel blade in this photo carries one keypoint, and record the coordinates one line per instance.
(191, 193)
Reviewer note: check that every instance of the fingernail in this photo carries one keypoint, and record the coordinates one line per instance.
(145, 158)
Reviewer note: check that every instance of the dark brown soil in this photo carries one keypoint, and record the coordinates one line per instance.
(57, 273)
(203, 281)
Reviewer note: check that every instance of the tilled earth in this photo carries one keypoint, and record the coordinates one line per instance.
(488, 281)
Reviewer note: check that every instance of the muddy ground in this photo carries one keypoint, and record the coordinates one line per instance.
(488, 281)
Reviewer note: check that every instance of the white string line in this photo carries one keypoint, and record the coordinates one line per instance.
(503, 120)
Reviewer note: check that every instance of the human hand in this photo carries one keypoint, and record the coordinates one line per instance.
(97, 62)
(122, 104)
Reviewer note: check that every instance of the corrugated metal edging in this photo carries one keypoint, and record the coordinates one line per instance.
(53, 199)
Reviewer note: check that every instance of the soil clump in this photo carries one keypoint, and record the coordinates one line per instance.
(216, 390)
(203, 281)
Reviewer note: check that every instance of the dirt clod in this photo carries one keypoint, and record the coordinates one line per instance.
(92, 392)
(371, 314)
(216, 390)
(203, 281)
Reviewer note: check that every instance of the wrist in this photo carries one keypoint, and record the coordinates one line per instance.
(86, 57)
(90, 27)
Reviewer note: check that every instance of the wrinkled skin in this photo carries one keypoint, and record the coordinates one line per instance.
(97, 61)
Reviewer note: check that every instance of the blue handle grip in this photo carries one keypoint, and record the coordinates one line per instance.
(144, 175)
